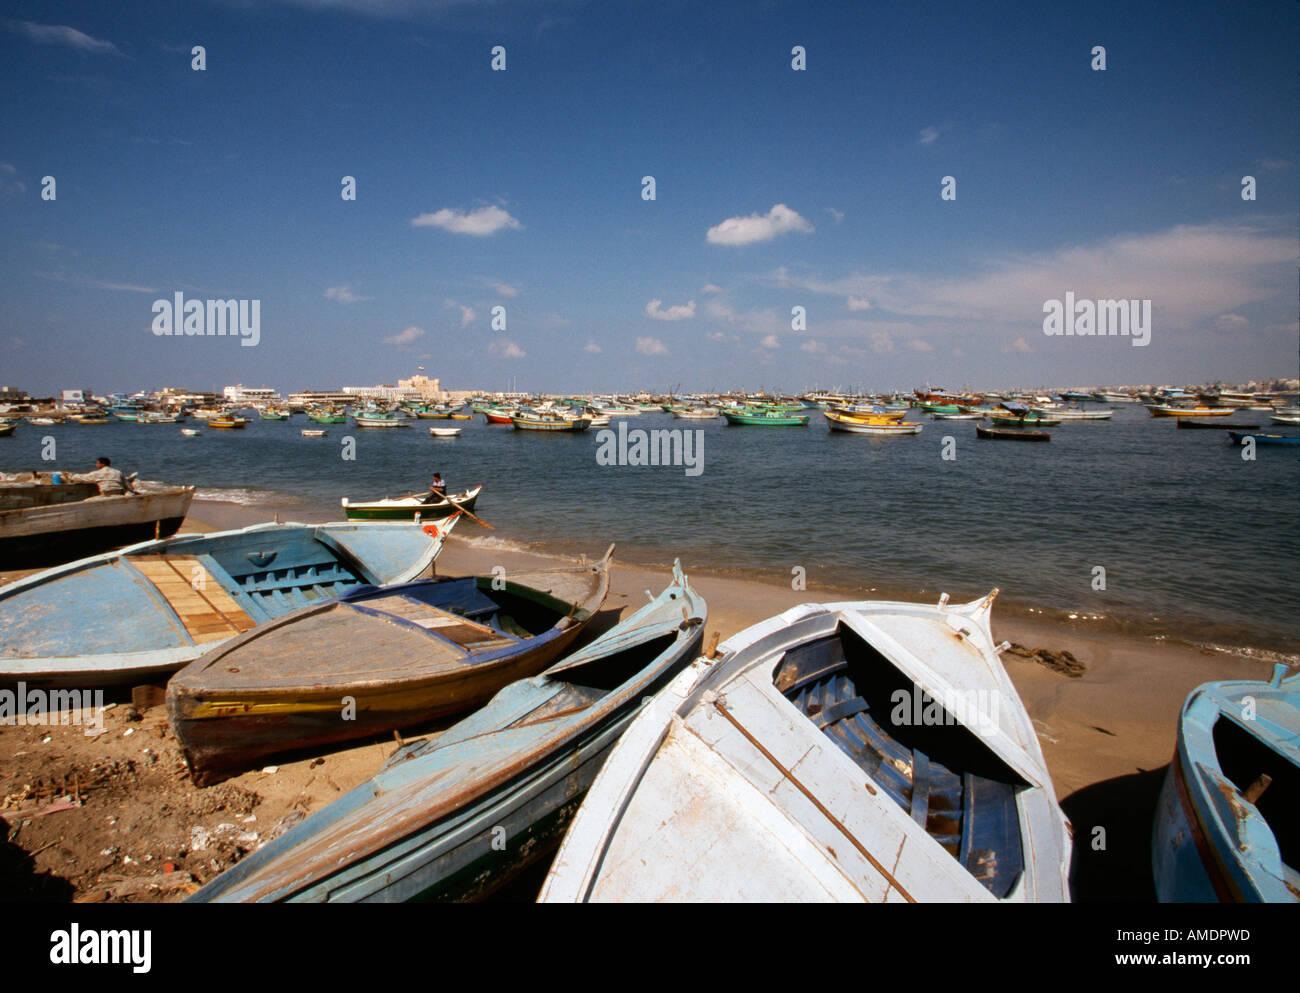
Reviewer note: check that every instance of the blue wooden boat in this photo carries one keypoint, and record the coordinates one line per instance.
(1225, 827)
(457, 815)
(1239, 438)
(376, 660)
(146, 610)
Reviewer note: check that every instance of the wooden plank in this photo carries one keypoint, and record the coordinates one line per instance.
(208, 612)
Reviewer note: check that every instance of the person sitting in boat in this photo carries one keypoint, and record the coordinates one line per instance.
(437, 490)
(111, 481)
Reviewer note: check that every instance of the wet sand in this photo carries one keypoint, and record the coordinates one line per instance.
(1106, 736)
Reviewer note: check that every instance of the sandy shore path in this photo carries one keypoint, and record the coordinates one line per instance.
(139, 830)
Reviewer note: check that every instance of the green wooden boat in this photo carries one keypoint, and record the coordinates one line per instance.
(406, 508)
(327, 417)
(271, 414)
(1029, 420)
(765, 417)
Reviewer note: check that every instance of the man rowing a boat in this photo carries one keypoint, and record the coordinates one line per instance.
(437, 490)
(111, 481)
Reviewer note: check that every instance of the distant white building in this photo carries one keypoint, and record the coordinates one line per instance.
(245, 395)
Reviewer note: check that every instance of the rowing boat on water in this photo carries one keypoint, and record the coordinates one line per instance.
(227, 423)
(375, 661)
(765, 417)
(549, 422)
(997, 434)
(313, 433)
(406, 508)
(1239, 438)
(864, 751)
(1225, 825)
(456, 816)
(149, 609)
(444, 432)
(1195, 425)
(1165, 410)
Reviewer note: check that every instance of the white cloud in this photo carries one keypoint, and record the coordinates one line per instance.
(1230, 322)
(61, 34)
(506, 350)
(721, 336)
(406, 336)
(858, 303)
(505, 290)
(592, 348)
(711, 288)
(764, 321)
(10, 184)
(680, 312)
(918, 345)
(838, 215)
(1020, 345)
(929, 135)
(770, 341)
(813, 347)
(467, 315)
(651, 346)
(1274, 163)
(481, 222)
(96, 284)
(343, 294)
(882, 342)
(757, 227)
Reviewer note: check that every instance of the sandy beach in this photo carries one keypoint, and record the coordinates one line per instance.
(136, 829)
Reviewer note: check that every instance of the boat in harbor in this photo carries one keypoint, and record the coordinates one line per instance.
(227, 422)
(145, 611)
(868, 751)
(498, 416)
(191, 432)
(1072, 413)
(60, 530)
(1225, 828)
(765, 417)
(1167, 410)
(403, 655)
(314, 432)
(444, 432)
(380, 419)
(1007, 434)
(321, 415)
(513, 772)
(273, 414)
(1291, 419)
(695, 413)
(6, 430)
(1010, 420)
(1239, 438)
(1192, 424)
(549, 422)
(878, 425)
(407, 508)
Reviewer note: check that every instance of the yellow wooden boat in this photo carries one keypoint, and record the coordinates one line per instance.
(1160, 410)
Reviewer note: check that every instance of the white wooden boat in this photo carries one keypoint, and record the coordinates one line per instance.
(867, 751)
(444, 432)
(1072, 413)
(871, 425)
(411, 506)
(191, 432)
(60, 532)
(313, 432)
(696, 413)
(1285, 418)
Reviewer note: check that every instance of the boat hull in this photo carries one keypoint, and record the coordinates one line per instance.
(393, 510)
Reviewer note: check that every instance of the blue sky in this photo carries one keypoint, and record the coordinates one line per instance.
(775, 188)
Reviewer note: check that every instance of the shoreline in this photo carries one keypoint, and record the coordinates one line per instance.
(127, 824)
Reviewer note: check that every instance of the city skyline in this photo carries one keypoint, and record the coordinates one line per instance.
(798, 233)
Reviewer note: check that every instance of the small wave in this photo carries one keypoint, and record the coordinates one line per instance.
(1255, 654)
(245, 498)
(490, 543)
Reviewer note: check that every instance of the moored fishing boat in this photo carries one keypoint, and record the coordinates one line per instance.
(323, 416)
(1072, 414)
(1292, 419)
(512, 773)
(153, 607)
(191, 432)
(380, 419)
(1027, 420)
(406, 508)
(765, 417)
(696, 413)
(549, 422)
(498, 416)
(999, 434)
(1225, 828)
(1193, 424)
(314, 433)
(1165, 410)
(227, 422)
(6, 430)
(403, 655)
(865, 751)
(444, 432)
(870, 425)
(1239, 438)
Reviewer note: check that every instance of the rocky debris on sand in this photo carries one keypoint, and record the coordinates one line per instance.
(1063, 662)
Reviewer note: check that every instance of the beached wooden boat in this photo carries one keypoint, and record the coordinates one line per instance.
(45, 535)
(765, 417)
(406, 508)
(1225, 828)
(514, 772)
(549, 422)
(1195, 425)
(866, 751)
(1239, 438)
(145, 611)
(870, 425)
(226, 422)
(998, 434)
(445, 432)
(374, 661)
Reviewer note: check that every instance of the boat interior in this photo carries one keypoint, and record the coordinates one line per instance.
(940, 773)
(1268, 780)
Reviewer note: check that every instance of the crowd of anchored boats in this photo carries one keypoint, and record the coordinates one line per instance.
(856, 751)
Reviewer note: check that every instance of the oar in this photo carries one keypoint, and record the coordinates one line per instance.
(466, 512)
